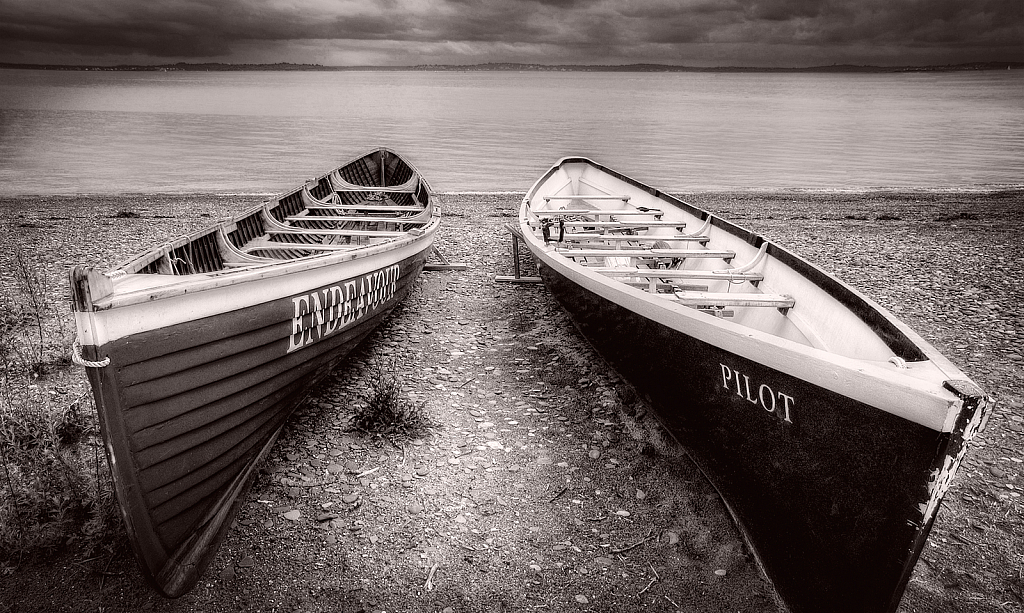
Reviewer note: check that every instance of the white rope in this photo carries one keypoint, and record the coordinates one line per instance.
(76, 357)
(898, 361)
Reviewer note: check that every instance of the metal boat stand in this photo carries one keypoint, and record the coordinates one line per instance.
(518, 277)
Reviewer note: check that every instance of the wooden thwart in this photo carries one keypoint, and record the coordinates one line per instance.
(671, 273)
(622, 212)
(371, 189)
(597, 238)
(278, 246)
(624, 197)
(647, 253)
(656, 223)
(367, 207)
(356, 218)
(339, 232)
(696, 299)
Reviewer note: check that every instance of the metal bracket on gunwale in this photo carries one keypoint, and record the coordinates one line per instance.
(517, 278)
(444, 265)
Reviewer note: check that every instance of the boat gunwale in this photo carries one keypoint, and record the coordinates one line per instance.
(774, 351)
(262, 270)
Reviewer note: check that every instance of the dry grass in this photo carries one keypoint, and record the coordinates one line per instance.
(54, 485)
(386, 409)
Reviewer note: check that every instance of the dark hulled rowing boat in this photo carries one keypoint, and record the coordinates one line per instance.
(198, 350)
(830, 428)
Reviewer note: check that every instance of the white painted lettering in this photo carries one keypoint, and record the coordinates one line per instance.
(771, 397)
(326, 311)
(746, 382)
(295, 339)
(778, 404)
(785, 406)
(726, 375)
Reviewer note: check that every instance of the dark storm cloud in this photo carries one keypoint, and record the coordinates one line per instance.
(585, 31)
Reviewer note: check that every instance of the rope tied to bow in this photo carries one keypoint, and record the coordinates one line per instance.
(76, 357)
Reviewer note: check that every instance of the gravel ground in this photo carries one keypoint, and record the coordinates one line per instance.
(548, 487)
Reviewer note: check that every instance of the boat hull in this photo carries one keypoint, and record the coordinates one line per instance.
(832, 458)
(199, 350)
(188, 410)
(796, 483)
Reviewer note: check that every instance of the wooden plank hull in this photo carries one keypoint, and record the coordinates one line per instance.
(200, 381)
(834, 489)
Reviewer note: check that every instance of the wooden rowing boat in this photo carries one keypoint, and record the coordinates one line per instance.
(830, 429)
(199, 349)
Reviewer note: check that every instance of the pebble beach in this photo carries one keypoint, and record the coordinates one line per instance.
(548, 486)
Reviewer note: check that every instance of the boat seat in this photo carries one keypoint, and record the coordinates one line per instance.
(625, 224)
(597, 238)
(705, 299)
(339, 232)
(373, 189)
(646, 253)
(356, 218)
(665, 288)
(623, 197)
(279, 246)
(368, 207)
(623, 212)
(672, 273)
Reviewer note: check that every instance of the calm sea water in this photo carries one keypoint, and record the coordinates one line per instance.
(116, 132)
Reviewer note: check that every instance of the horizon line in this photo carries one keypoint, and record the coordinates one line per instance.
(498, 66)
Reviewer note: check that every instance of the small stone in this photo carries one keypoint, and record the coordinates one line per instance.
(414, 508)
(594, 454)
(545, 460)
(721, 572)
(350, 498)
(640, 494)
(293, 515)
(580, 598)
(246, 562)
(622, 513)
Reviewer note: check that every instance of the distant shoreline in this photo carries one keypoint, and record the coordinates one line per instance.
(513, 67)
(1006, 190)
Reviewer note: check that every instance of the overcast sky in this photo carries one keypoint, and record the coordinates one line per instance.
(411, 32)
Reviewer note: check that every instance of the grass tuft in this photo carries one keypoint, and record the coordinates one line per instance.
(386, 409)
(55, 487)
